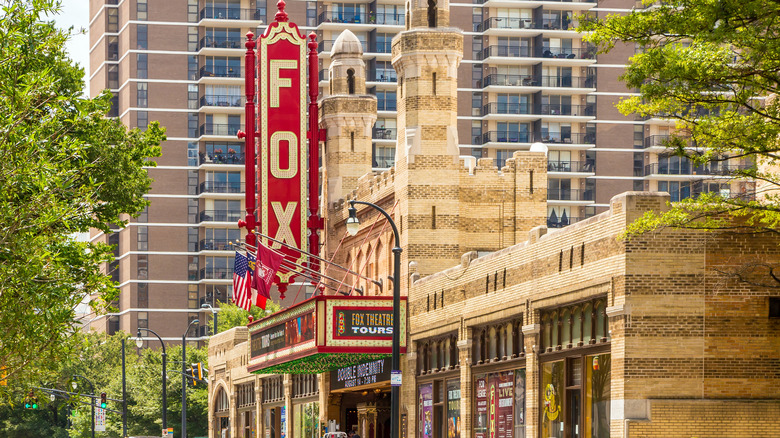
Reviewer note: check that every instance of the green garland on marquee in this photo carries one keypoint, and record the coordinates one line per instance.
(320, 363)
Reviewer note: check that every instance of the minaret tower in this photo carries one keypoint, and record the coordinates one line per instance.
(348, 114)
(426, 58)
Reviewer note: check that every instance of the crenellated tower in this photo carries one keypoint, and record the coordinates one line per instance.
(426, 58)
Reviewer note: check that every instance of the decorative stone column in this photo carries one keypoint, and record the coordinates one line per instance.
(259, 408)
(288, 405)
(465, 347)
(233, 416)
(532, 374)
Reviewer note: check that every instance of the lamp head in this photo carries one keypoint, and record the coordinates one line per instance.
(138, 341)
(353, 223)
(74, 385)
(52, 397)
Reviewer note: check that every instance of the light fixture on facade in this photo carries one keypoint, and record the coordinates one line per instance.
(353, 223)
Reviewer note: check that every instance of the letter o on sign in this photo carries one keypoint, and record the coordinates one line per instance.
(292, 157)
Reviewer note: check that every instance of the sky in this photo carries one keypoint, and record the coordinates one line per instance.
(76, 13)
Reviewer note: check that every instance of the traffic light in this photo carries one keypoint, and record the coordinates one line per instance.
(200, 370)
(192, 374)
(103, 403)
(31, 402)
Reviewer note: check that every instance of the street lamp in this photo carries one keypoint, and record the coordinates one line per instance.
(184, 379)
(91, 397)
(213, 313)
(140, 342)
(353, 225)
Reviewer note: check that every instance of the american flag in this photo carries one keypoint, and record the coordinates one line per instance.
(242, 281)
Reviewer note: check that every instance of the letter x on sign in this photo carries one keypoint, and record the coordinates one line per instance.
(284, 216)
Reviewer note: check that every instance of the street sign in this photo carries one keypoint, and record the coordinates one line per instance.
(100, 419)
(395, 378)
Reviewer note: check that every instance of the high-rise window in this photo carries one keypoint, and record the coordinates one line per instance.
(142, 65)
(112, 76)
(311, 14)
(114, 110)
(143, 319)
(142, 120)
(142, 96)
(112, 20)
(192, 39)
(192, 239)
(142, 36)
(192, 11)
(142, 9)
(192, 67)
(112, 48)
(192, 96)
(143, 238)
(143, 295)
(192, 125)
(142, 265)
(192, 293)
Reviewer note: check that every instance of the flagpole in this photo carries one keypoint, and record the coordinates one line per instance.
(254, 248)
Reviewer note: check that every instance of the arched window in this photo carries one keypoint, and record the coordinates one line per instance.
(431, 13)
(222, 403)
(351, 81)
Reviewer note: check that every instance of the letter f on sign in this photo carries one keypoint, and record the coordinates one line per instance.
(278, 82)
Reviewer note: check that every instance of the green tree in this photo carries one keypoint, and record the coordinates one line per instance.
(64, 168)
(711, 66)
(231, 315)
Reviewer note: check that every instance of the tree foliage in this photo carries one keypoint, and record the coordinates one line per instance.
(64, 168)
(231, 315)
(712, 67)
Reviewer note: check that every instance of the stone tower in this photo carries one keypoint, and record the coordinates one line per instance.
(348, 114)
(426, 58)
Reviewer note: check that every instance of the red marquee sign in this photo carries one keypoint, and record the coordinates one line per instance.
(282, 160)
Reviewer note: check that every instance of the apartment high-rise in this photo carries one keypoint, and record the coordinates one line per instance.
(526, 76)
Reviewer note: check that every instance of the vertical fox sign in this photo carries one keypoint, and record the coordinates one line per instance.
(282, 161)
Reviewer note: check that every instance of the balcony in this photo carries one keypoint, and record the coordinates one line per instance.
(219, 43)
(221, 158)
(216, 273)
(386, 19)
(569, 81)
(382, 47)
(383, 76)
(384, 133)
(571, 166)
(220, 72)
(556, 109)
(222, 100)
(569, 53)
(570, 195)
(221, 215)
(225, 130)
(513, 52)
(506, 108)
(687, 168)
(229, 13)
(506, 23)
(509, 81)
(386, 104)
(505, 137)
(216, 245)
(568, 138)
(221, 187)
(555, 222)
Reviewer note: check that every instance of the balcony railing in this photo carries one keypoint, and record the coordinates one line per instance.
(561, 23)
(563, 53)
(560, 222)
(570, 195)
(221, 187)
(219, 43)
(383, 76)
(550, 109)
(509, 80)
(384, 133)
(569, 81)
(513, 52)
(216, 245)
(220, 72)
(229, 13)
(221, 158)
(382, 47)
(221, 215)
(385, 105)
(227, 130)
(361, 18)
(506, 108)
(222, 100)
(571, 166)
(560, 1)
(530, 137)
(506, 23)
(216, 273)
(687, 168)
(327, 46)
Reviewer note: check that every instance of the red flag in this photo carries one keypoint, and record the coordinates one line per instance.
(268, 263)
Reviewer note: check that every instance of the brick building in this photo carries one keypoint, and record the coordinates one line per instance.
(515, 329)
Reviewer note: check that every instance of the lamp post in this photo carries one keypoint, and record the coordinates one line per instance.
(91, 397)
(184, 380)
(213, 313)
(353, 225)
(139, 343)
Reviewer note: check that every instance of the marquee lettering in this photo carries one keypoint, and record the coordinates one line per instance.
(285, 217)
(292, 158)
(276, 81)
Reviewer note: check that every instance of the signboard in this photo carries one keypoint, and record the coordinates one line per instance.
(325, 333)
(453, 409)
(396, 378)
(425, 410)
(292, 332)
(100, 418)
(361, 374)
(363, 323)
(481, 426)
(282, 160)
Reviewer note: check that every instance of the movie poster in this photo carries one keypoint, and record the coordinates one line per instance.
(501, 404)
(453, 409)
(426, 411)
(480, 427)
(520, 403)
